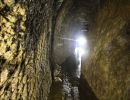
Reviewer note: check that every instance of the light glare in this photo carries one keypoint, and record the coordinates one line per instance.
(79, 51)
(81, 41)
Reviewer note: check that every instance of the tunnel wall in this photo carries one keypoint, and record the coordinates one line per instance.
(58, 49)
(107, 69)
(25, 32)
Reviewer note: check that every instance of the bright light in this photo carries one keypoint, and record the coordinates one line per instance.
(79, 51)
(81, 47)
(81, 41)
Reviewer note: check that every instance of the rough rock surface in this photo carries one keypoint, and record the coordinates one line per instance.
(25, 30)
(107, 69)
(59, 53)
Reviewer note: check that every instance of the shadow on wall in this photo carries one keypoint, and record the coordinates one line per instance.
(85, 91)
(69, 66)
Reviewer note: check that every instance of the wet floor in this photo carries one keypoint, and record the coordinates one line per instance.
(70, 88)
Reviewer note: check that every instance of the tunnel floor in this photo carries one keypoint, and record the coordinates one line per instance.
(67, 90)
(72, 87)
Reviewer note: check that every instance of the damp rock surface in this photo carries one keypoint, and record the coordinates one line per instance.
(107, 69)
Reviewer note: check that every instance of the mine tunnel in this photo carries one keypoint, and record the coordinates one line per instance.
(64, 49)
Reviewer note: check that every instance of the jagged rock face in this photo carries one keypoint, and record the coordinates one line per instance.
(25, 31)
(107, 69)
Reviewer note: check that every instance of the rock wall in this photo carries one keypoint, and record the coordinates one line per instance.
(107, 69)
(58, 49)
(25, 34)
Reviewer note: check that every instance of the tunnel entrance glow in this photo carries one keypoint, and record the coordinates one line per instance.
(80, 46)
(81, 43)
